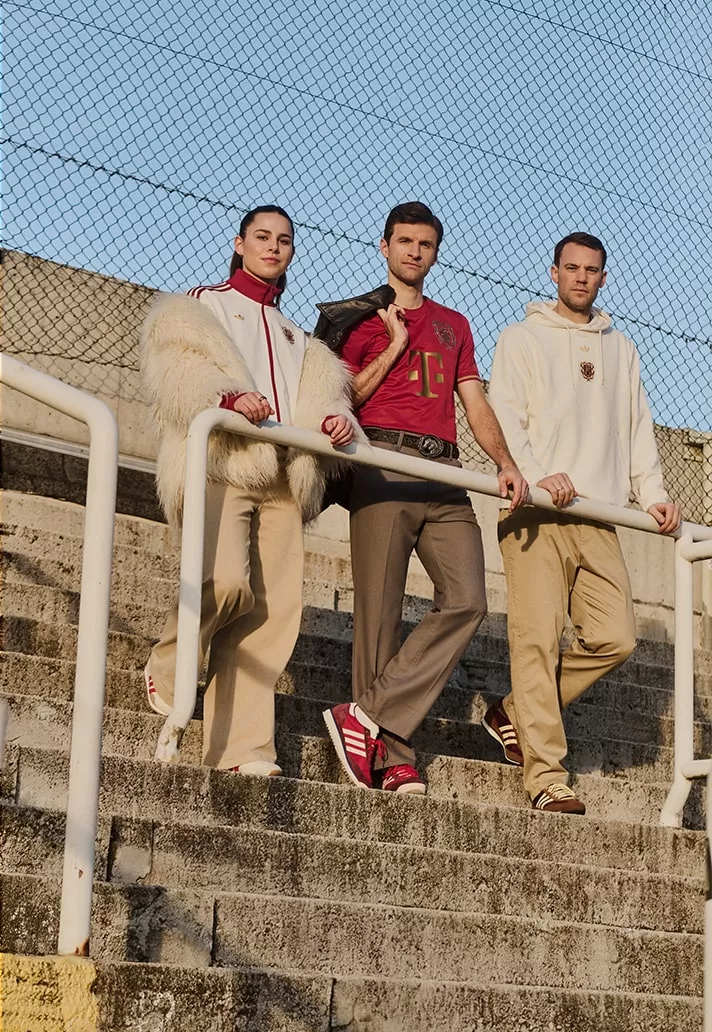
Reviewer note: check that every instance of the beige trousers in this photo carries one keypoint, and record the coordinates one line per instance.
(393, 515)
(250, 616)
(554, 565)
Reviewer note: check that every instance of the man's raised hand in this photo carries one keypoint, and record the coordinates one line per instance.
(394, 320)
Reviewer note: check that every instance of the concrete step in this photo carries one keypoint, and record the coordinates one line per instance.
(42, 722)
(195, 795)
(40, 590)
(225, 859)
(152, 924)
(605, 716)
(40, 779)
(326, 638)
(159, 998)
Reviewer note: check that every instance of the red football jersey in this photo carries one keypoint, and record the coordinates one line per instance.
(417, 395)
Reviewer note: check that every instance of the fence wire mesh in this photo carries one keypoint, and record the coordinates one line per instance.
(137, 134)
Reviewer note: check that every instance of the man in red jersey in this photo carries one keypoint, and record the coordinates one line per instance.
(407, 362)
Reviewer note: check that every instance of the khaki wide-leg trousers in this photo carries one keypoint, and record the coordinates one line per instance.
(251, 611)
(554, 565)
(392, 515)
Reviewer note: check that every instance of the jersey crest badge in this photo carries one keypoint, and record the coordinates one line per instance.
(288, 334)
(445, 334)
(588, 370)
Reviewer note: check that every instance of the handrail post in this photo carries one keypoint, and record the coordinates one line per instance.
(92, 637)
(191, 587)
(684, 700)
(89, 685)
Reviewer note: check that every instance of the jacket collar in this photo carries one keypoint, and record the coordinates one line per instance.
(255, 289)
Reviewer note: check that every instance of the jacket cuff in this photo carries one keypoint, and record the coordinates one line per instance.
(227, 401)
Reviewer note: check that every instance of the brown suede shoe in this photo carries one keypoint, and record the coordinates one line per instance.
(558, 798)
(498, 724)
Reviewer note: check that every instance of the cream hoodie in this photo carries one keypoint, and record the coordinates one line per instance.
(570, 400)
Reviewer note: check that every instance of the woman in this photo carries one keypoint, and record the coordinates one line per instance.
(229, 345)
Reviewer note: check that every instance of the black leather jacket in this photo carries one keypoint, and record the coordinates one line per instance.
(337, 318)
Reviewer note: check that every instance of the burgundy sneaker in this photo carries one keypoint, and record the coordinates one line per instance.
(558, 798)
(497, 723)
(355, 747)
(403, 779)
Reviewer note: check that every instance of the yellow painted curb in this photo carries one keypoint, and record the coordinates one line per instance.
(47, 994)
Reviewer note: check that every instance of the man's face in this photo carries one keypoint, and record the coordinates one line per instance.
(411, 252)
(578, 277)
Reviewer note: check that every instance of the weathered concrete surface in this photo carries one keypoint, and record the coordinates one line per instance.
(343, 909)
(225, 859)
(150, 998)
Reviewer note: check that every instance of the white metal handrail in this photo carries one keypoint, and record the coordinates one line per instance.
(92, 638)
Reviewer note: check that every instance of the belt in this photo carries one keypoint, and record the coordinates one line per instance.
(428, 445)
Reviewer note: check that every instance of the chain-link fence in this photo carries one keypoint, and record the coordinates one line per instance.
(137, 134)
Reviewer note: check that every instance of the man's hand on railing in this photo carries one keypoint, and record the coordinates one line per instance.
(339, 429)
(668, 516)
(560, 488)
(510, 479)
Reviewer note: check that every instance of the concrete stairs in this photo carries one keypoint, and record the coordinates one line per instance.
(302, 904)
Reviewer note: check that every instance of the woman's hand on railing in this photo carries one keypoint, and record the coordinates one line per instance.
(252, 405)
(339, 430)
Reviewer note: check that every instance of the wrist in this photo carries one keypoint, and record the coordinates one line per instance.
(227, 401)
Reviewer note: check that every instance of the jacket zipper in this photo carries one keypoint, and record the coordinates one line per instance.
(271, 364)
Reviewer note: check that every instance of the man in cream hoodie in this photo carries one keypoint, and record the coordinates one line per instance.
(566, 389)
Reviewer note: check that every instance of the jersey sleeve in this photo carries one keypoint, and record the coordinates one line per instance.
(358, 349)
(466, 364)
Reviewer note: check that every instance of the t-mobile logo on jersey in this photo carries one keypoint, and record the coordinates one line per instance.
(422, 371)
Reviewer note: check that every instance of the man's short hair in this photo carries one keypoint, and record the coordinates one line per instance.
(585, 240)
(413, 213)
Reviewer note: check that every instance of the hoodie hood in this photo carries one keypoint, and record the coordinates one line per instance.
(544, 312)
(585, 353)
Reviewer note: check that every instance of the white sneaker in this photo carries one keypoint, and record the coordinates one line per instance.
(261, 768)
(157, 704)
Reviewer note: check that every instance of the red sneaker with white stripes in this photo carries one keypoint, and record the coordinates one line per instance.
(355, 746)
(402, 778)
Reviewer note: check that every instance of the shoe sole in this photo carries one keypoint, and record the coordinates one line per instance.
(494, 734)
(412, 788)
(332, 728)
(155, 701)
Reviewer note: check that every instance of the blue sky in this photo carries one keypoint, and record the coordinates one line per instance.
(138, 132)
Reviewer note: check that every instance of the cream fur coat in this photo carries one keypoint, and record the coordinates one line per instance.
(187, 362)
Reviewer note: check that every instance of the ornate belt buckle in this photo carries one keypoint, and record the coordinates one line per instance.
(431, 446)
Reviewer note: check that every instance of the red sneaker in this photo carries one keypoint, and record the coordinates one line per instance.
(403, 779)
(355, 747)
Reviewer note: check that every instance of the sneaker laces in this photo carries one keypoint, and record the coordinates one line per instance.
(380, 747)
(559, 791)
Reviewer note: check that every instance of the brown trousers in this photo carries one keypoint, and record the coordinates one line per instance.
(392, 515)
(554, 565)
(250, 616)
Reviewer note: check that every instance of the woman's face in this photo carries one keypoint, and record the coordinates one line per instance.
(267, 247)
